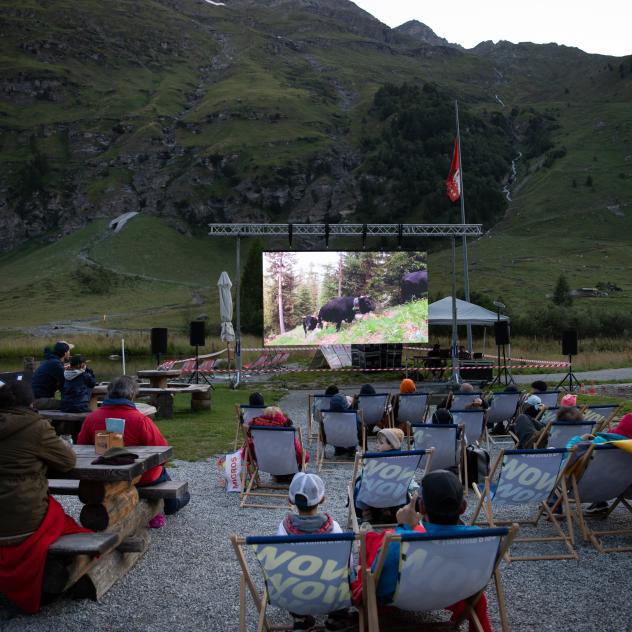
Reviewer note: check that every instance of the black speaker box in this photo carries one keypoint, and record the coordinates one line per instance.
(197, 333)
(501, 332)
(159, 340)
(569, 342)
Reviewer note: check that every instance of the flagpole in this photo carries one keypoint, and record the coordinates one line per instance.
(466, 274)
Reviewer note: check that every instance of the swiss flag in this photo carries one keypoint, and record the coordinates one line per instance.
(453, 183)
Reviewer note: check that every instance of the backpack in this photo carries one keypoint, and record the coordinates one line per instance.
(477, 463)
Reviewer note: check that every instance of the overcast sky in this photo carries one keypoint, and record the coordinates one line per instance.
(594, 26)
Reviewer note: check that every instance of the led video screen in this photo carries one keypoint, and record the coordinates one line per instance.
(344, 297)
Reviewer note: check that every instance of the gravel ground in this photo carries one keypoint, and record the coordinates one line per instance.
(189, 579)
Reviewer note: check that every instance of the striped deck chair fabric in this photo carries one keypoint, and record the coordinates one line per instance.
(412, 408)
(461, 400)
(473, 424)
(383, 479)
(526, 477)
(602, 474)
(303, 574)
(340, 430)
(188, 366)
(207, 366)
(445, 440)
(436, 571)
(166, 365)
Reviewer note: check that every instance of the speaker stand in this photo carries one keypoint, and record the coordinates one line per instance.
(503, 377)
(157, 360)
(197, 373)
(573, 382)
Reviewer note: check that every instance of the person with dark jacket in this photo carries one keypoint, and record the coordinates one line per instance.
(79, 381)
(31, 519)
(527, 427)
(49, 376)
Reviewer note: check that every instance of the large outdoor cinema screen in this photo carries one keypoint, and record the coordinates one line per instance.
(344, 297)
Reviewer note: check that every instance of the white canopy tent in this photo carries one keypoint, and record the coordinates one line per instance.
(440, 313)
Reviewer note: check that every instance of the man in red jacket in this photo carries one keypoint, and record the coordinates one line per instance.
(139, 430)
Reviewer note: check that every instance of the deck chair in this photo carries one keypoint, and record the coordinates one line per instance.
(188, 367)
(412, 408)
(207, 366)
(503, 408)
(315, 403)
(257, 363)
(527, 477)
(561, 432)
(244, 414)
(341, 431)
(548, 415)
(166, 365)
(303, 574)
(604, 472)
(459, 401)
(446, 439)
(473, 422)
(603, 415)
(384, 479)
(374, 408)
(275, 455)
(549, 398)
(436, 572)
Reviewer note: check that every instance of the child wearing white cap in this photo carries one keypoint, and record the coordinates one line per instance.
(307, 492)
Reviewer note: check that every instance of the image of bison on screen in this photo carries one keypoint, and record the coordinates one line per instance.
(344, 297)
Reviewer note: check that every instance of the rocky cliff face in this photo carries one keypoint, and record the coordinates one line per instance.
(424, 34)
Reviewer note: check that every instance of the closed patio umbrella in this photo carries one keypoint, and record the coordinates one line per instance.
(226, 311)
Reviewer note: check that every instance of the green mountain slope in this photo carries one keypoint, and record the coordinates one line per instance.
(260, 111)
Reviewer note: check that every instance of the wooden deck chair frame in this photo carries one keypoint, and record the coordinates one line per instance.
(410, 397)
(604, 424)
(321, 446)
(592, 535)
(247, 583)
(579, 428)
(312, 415)
(251, 480)
(240, 422)
(370, 580)
(358, 466)
(485, 504)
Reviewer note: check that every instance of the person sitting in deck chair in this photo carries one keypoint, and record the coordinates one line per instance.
(272, 416)
(340, 404)
(388, 440)
(139, 430)
(526, 427)
(307, 492)
(436, 510)
(31, 519)
(537, 387)
(406, 387)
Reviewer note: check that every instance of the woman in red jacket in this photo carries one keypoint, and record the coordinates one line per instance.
(139, 430)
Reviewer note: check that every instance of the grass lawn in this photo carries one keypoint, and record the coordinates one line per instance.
(198, 435)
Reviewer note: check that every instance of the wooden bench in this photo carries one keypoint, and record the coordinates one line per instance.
(166, 489)
(83, 544)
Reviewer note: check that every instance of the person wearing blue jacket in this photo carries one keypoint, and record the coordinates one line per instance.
(49, 376)
(78, 385)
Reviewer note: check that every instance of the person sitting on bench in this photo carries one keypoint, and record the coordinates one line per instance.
(49, 376)
(31, 519)
(139, 430)
(79, 381)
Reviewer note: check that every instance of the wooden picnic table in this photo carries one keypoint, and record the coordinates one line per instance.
(70, 423)
(111, 506)
(159, 379)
